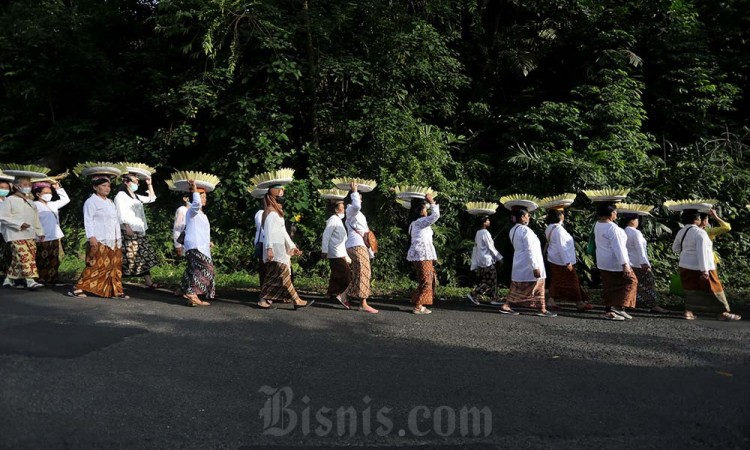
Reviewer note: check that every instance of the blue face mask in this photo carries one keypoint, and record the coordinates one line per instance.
(133, 186)
(4, 192)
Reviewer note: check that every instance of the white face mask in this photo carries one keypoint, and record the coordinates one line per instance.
(47, 197)
(25, 190)
(341, 215)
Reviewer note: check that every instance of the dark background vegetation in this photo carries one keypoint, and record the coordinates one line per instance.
(474, 98)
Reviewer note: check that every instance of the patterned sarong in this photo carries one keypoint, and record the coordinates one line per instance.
(340, 278)
(619, 289)
(277, 285)
(565, 285)
(703, 295)
(425, 292)
(199, 275)
(48, 260)
(487, 282)
(23, 259)
(526, 293)
(647, 294)
(360, 284)
(138, 257)
(103, 273)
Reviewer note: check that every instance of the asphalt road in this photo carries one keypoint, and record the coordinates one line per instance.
(151, 373)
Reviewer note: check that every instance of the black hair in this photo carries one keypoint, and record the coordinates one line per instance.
(626, 219)
(100, 181)
(331, 207)
(37, 190)
(703, 216)
(123, 187)
(554, 216)
(481, 220)
(689, 216)
(415, 212)
(517, 213)
(605, 209)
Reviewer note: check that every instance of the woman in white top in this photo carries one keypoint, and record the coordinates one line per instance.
(21, 229)
(527, 276)
(561, 256)
(700, 281)
(333, 247)
(5, 254)
(359, 253)
(138, 257)
(422, 252)
(638, 256)
(619, 284)
(484, 255)
(102, 275)
(277, 285)
(48, 250)
(259, 240)
(199, 276)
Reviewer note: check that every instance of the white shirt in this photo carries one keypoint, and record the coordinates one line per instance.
(101, 222)
(484, 253)
(131, 210)
(49, 216)
(277, 239)
(179, 225)
(16, 211)
(356, 223)
(527, 254)
(197, 228)
(561, 249)
(637, 253)
(334, 238)
(697, 252)
(422, 248)
(611, 247)
(260, 236)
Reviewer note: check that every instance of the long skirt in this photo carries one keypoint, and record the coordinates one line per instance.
(619, 289)
(138, 257)
(487, 282)
(527, 293)
(23, 259)
(647, 294)
(703, 295)
(199, 277)
(340, 278)
(565, 285)
(359, 287)
(48, 260)
(277, 285)
(426, 279)
(103, 273)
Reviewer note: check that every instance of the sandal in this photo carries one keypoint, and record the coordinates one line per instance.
(508, 311)
(658, 310)
(304, 304)
(612, 316)
(263, 304)
(193, 300)
(729, 317)
(34, 285)
(546, 314)
(123, 297)
(689, 315)
(77, 293)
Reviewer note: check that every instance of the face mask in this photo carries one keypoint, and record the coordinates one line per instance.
(47, 197)
(133, 186)
(280, 200)
(341, 215)
(25, 190)
(4, 192)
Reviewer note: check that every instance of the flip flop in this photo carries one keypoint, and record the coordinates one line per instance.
(613, 317)
(546, 314)
(79, 294)
(510, 312)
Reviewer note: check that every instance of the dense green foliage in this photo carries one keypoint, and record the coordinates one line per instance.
(475, 98)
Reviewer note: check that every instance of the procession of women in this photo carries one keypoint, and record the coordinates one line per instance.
(541, 277)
